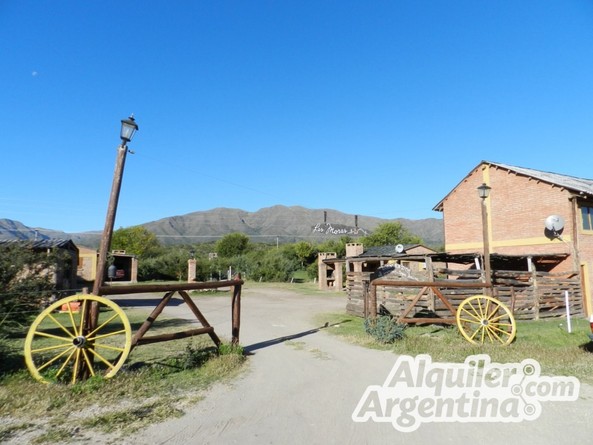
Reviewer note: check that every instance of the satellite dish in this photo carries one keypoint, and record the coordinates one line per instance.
(554, 226)
(399, 248)
(555, 223)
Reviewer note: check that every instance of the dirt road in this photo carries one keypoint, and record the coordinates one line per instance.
(303, 385)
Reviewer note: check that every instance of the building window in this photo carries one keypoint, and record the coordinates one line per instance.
(587, 218)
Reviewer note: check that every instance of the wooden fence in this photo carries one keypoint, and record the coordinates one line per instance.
(529, 295)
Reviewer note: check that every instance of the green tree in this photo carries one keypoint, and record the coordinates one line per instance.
(389, 234)
(135, 240)
(304, 251)
(171, 264)
(233, 244)
(273, 265)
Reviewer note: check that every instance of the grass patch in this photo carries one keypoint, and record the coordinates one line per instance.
(558, 352)
(157, 382)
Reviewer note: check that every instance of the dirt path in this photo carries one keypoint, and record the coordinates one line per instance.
(303, 385)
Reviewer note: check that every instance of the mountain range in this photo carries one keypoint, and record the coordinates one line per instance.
(277, 224)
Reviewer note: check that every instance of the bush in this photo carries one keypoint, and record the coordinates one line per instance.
(25, 284)
(229, 348)
(171, 264)
(385, 329)
(272, 265)
(195, 356)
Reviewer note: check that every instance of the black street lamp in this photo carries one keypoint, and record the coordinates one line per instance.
(128, 129)
(483, 193)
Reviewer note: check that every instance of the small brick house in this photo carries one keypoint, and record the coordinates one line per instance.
(520, 202)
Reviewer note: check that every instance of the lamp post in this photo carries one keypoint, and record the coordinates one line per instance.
(128, 129)
(91, 314)
(483, 193)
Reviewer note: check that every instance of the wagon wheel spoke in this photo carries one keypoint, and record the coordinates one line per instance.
(61, 370)
(475, 313)
(56, 357)
(500, 334)
(482, 318)
(61, 326)
(59, 348)
(476, 331)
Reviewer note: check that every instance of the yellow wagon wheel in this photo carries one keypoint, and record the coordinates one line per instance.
(483, 319)
(58, 344)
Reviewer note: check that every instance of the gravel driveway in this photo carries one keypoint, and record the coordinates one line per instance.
(303, 385)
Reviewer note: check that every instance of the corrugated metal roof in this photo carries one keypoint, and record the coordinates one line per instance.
(578, 185)
(41, 244)
(570, 182)
(384, 251)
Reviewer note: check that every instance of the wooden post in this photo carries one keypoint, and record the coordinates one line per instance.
(486, 239)
(373, 302)
(536, 296)
(91, 315)
(110, 218)
(365, 298)
(430, 277)
(236, 311)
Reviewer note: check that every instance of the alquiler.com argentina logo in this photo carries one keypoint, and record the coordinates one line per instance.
(419, 391)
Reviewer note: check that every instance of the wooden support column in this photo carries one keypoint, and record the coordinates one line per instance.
(373, 302)
(430, 278)
(365, 298)
(236, 312)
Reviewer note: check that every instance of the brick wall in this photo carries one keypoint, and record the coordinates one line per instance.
(517, 209)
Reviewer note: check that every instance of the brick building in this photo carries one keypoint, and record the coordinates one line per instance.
(520, 202)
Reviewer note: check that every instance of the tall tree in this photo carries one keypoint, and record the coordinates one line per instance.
(135, 240)
(303, 251)
(389, 234)
(233, 244)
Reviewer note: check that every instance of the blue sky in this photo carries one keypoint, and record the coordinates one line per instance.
(372, 108)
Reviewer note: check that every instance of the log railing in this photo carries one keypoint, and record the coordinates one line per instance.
(425, 286)
(182, 289)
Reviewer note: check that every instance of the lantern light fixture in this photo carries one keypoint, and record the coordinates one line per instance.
(128, 128)
(484, 191)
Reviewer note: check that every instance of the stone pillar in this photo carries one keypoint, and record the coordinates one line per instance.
(322, 268)
(191, 270)
(134, 271)
(339, 282)
(354, 249)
